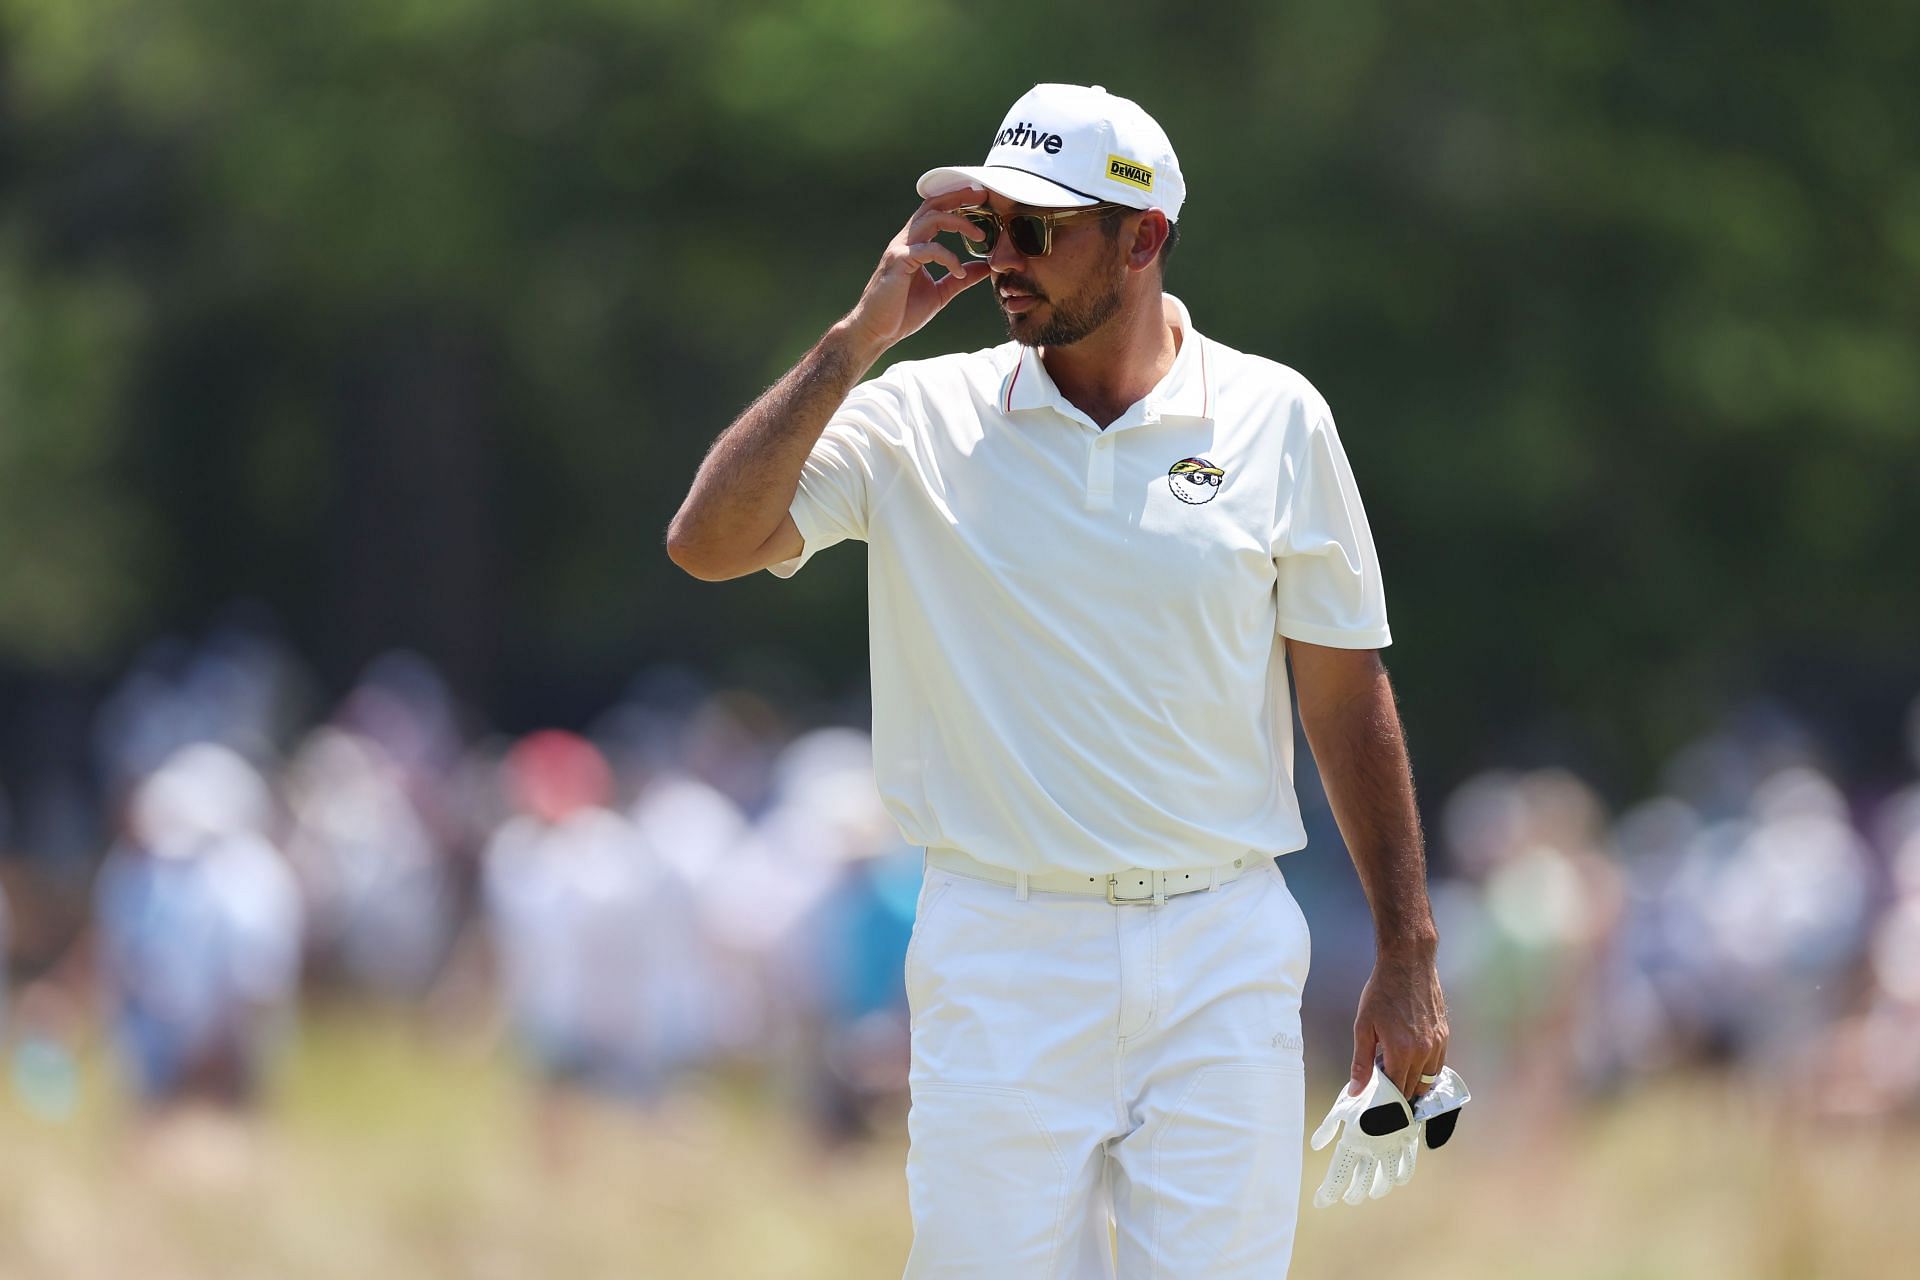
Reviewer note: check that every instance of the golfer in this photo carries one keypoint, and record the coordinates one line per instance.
(1095, 553)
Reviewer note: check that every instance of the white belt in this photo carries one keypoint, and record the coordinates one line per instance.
(1122, 887)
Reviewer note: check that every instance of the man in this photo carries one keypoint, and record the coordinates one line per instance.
(1093, 552)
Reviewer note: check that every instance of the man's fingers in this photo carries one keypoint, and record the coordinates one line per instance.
(1407, 1078)
(924, 224)
(969, 275)
(1405, 1065)
(933, 251)
(1430, 1065)
(1436, 1060)
(958, 198)
(1363, 1050)
(1412, 1086)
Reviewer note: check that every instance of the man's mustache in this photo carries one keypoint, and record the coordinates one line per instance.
(1021, 283)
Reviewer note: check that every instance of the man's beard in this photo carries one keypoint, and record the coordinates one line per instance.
(1069, 319)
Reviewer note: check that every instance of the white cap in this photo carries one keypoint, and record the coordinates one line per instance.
(1065, 145)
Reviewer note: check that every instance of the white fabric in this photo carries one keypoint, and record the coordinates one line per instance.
(1070, 144)
(1366, 1166)
(1075, 1061)
(1075, 647)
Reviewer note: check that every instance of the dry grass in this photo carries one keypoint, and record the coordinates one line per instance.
(391, 1155)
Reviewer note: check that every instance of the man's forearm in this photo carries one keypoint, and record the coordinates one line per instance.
(747, 480)
(1347, 708)
(1362, 754)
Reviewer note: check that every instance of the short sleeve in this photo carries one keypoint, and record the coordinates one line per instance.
(1327, 575)
(846, 471)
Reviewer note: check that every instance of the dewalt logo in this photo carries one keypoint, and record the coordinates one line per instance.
(1134, 175)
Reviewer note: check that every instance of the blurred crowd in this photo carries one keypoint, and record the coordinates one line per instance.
(690, 885)
(1756, 915)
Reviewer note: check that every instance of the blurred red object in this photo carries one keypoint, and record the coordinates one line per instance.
(553, 774)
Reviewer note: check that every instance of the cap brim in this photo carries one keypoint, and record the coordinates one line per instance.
(1016, 185)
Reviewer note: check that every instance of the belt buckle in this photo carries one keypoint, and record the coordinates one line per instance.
(1113, 898)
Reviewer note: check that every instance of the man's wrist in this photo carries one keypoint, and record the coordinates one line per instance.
(1412, 945)
(859, 350)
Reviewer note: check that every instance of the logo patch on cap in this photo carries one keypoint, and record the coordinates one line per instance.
(1134, 175)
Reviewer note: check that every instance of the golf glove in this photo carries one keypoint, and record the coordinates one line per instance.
(1382, 1140)
(1377, 1146)
(1436, 1111)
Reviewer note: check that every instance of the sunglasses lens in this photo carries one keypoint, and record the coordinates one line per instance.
(989, 232)
(1029, 234)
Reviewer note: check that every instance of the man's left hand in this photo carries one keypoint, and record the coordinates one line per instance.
(1403, 1021)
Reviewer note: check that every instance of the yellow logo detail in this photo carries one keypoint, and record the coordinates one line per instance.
(1134, 175)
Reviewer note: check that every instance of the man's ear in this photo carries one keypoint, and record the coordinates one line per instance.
(1147, 239)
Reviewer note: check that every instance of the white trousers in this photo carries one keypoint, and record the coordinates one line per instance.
(1076, 1062)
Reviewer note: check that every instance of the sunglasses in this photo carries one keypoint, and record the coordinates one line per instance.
(1197, 476)
(1030, 233)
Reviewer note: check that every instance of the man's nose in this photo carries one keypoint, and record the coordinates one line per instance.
(1004, 256)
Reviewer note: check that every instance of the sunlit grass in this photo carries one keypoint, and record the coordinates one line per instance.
(389, 1152)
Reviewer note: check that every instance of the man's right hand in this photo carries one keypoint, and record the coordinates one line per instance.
(902, 295)
(736, 517)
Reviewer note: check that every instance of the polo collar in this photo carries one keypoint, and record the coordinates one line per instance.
(1186, 391)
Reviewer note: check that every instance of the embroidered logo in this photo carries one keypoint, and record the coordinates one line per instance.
(1288, 1041)
(1194, 480)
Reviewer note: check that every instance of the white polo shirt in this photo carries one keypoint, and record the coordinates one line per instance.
(1075, 634)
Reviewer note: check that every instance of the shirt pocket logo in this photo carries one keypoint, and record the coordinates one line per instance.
(1195, 480)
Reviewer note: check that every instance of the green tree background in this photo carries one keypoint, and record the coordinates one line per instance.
(414, 318)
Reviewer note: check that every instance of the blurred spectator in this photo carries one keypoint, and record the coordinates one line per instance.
(835, 939)
(377, 887)
(1872, 1056)
(697, 833)
(780, 870)
(199, 930)
(1526, 931)
(589, 927)
(239, 688)
(402, 706)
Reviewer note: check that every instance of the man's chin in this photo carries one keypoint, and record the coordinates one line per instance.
(1022, 327)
